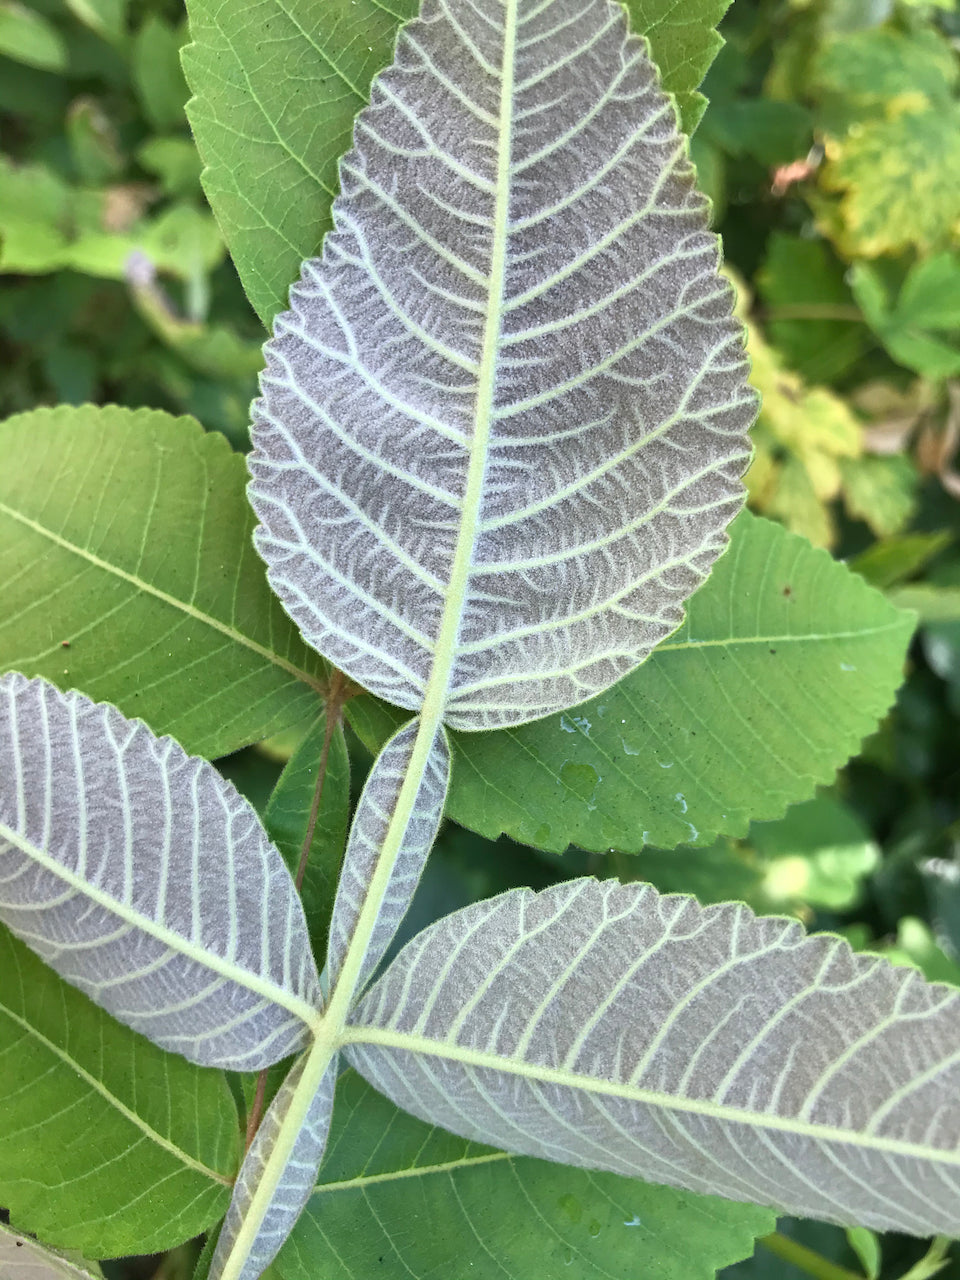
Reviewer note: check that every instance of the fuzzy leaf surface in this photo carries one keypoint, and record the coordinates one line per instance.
(271, 174)
(611, 1028)
(521, 482)
(167, 1138)
(144, 878)
(379, 799)
(125, 548)
(388, 1181)
(306, 1134)
(693, 743)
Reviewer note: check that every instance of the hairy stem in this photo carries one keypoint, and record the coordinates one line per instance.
(814, 1264)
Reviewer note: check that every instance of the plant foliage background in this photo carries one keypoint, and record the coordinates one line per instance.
(831, 150)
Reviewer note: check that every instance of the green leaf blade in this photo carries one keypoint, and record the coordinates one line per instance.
(125, 547)
(245, 129)
(823, 1087)
(397, 1197)
(167, 1136)
(287, 820)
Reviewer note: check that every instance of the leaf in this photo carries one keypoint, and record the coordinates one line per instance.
(879, 63)
(287, 820)
(899, 183)
(25, 1259)
(166, 1135)
(157, 77)
(574, 493)
(200, 943)
(694, 742)
(881, 491)
(108, 18)
(684, 42)
(271, 175)
(372, 870)
(27, 36)
(126, 534)
(867, 1247)
(398, 1198)
(802, 278)
(891, 561)
(858, 1124)
(921, 329)
(270, 1193)
(801, 437)
(818, 853)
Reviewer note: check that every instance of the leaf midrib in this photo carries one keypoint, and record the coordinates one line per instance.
(198, 615)
(421, 1171)
(539, 1074)
(112, 1100)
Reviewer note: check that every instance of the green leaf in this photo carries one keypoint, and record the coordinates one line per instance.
(157, 76)
(802, 286)
(108, 1144)
(684, 42)
(126, 570)
(27, 36)
(175, 162)
(892, 560)
(399, 1198)
(271, 174)
(785, 662)
(880, 63)
(106, 17)
(818, 853)
(880, 490)
(866, 1246)
(287, 820)
(921, 328)
(24, 1259)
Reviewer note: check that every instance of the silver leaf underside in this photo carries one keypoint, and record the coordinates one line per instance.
(504, 421)
(610, 1027)
(147, 881)
(288, 1192)
(377, 803)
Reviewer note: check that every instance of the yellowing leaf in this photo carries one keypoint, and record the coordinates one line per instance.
(899, 182)
(881, 491)
(800, 438)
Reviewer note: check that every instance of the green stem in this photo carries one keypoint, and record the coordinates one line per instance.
(814, 1264)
